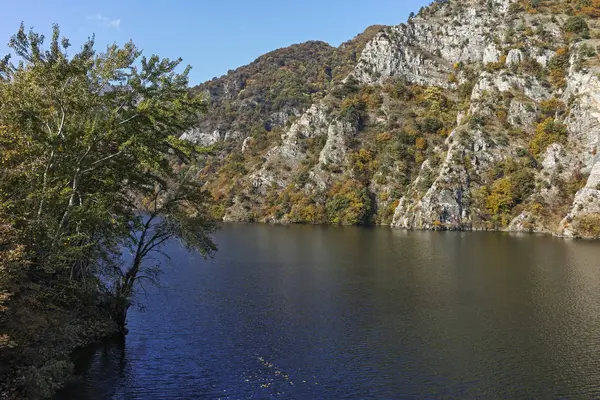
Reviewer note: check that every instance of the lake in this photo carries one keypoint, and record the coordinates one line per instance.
(303, 312)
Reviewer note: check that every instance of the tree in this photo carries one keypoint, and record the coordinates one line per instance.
(85, 141)
(547, 132)
(500, 201)
(348, 203)
(577, 25)
(167, 213)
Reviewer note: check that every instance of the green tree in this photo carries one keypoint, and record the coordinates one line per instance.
(349, 203)
(84, 142)
(547, 132)
(577, 25)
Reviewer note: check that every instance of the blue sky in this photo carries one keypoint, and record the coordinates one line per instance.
(213, 36)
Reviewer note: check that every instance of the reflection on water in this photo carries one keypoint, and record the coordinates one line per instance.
(323, 312)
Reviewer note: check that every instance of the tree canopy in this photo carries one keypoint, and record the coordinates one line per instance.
(92, 167)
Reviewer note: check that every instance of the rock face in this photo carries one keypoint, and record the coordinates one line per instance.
(447, 203)
(586, 205)
(472, 115)
(424, 50)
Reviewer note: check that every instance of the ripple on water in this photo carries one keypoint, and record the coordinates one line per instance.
(316, 312)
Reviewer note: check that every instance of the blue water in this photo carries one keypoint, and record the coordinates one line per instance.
(362, 313)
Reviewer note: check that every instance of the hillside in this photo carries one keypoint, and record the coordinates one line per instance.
(472, 115)
(276, 87)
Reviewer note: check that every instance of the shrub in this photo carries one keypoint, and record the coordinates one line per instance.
(552, 107)
(557, 67)
(547, 132)
(522, 184)
(363, 165)
(431, 125)
(588, 225)
(577, 25)
(384, 137)
(354, 112)
(349, 204)
(500, 200)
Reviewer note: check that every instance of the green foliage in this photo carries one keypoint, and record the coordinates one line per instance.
(588, 225)
(577, 25)
(41, 322)
(399, 90)
(348, 88)
(92, 166)
(547, 132)
(98, 129)
(431, 125)
(348, 203)
(510, 184)
(353, 111)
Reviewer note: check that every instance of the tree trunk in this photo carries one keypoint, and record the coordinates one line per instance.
(74, 188)
(119, 314)
(123, 295)
(125, 288)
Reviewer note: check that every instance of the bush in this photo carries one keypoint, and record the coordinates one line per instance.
(431, 125)
(557, 67)
(348, 88)
(349, 204)
(522, 184)
(577, 25)
(363, 165)
(500, 200)
(588, 225)
(547, 132)
(354, 112)
(552, 107)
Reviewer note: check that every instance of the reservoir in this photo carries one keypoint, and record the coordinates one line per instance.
(305, 312)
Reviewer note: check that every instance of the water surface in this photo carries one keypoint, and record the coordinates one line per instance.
(321, 312)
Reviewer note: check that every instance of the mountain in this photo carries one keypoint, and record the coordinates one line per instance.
(275, 87)
(473, 115)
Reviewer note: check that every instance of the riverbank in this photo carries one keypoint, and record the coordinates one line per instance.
(591, 235)
(45, 323)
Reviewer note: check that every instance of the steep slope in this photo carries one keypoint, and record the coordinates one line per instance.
(473, 115)
(275, 87)
(530, 142)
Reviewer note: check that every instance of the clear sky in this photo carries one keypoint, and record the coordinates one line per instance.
(211, 35)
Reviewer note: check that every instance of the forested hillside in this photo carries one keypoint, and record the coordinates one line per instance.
(472, 115)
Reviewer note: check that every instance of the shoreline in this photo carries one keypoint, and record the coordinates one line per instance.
(442, 229)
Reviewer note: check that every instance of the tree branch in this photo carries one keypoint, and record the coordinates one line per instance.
(128, 119)
(101, 160)
(153, 244)
(62, 122)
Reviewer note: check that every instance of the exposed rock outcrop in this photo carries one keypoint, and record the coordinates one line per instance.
(472, 115)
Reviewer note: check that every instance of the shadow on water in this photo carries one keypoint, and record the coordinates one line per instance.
(104, 364)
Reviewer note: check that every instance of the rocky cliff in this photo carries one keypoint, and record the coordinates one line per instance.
(472, 115)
